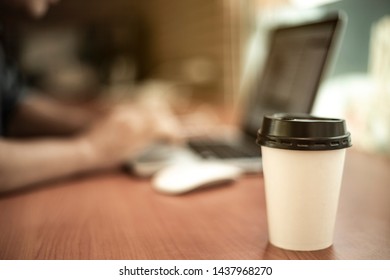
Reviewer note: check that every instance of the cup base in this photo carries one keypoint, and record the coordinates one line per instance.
(302, 247)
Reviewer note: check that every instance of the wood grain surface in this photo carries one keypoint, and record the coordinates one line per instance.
(112, 215)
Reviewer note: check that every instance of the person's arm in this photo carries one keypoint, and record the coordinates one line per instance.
(110, 141)
(24, 163)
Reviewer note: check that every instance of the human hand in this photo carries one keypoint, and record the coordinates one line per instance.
(126, 130)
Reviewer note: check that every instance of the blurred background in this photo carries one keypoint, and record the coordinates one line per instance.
(204, 51)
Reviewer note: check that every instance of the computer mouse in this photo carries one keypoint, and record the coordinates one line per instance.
(179, 179)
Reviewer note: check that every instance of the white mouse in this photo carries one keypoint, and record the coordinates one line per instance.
(178, 179)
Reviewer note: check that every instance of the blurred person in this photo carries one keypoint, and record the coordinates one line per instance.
(67, 140)
(36, 8)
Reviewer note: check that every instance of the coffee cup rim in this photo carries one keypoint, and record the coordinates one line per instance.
(303, 132)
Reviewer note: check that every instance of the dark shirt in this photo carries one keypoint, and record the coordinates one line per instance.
(11, 87)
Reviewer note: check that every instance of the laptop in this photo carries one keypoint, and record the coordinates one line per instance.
(297, 58)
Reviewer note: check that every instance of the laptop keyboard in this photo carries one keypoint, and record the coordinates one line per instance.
(210, 149)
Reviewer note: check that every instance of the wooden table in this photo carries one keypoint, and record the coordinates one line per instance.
(114, 216)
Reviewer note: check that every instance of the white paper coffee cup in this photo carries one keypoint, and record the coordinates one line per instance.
(303, 160)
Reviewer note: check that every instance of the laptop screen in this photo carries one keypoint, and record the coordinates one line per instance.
(293, 70)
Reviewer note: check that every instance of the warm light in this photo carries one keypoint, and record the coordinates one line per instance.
(311, 3)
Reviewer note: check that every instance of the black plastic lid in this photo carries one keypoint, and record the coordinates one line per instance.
(303, 132)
